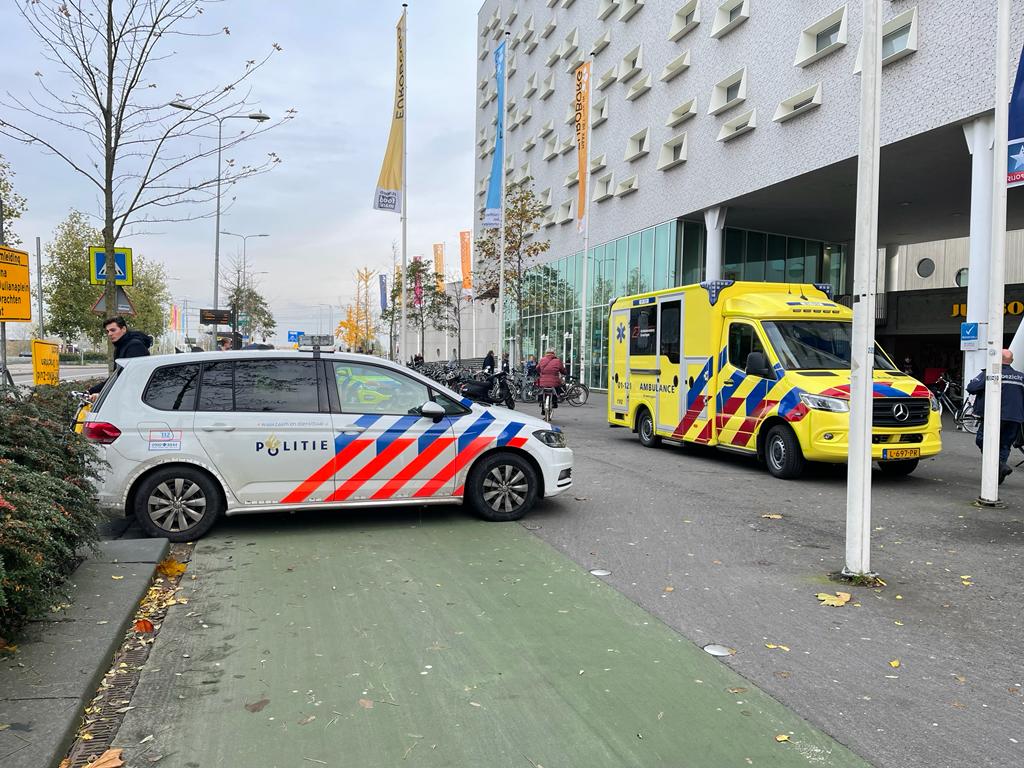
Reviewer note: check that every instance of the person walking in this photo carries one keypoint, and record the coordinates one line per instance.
(550, 371)
(127, 343)
(506, 366)
(1011, 411)
(489, 362)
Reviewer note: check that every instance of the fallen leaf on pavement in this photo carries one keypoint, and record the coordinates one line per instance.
(148, 738)
(670, 589)
(4, 726)
(307, 720)
(109, 759)
(143, 625)
(772, 516)
(960, 678)
(895, 663)
(257, 706)
(838, 600)
(773, 646)
(781, 738)
(366, 703)
(737, 690)
(171, 568)
(6, 647)
(117, 578)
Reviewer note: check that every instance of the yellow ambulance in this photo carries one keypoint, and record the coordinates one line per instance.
(757, 368)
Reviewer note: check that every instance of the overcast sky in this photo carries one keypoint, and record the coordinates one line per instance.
(336, 69)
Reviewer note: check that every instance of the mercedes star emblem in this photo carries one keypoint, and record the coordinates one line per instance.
(901, 412)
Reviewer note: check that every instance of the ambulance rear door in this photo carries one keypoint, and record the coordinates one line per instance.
(618, 384)
(671, 380)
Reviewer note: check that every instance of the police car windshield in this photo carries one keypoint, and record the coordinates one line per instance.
(814, 345)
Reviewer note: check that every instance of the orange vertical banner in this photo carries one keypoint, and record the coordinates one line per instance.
(466, 248)
(582, 120)
(439, 265)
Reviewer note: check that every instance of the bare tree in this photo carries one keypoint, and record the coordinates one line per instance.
(99, 112)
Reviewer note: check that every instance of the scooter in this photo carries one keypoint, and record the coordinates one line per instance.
(494, 390)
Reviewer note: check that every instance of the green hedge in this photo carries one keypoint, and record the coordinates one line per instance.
(47, 510)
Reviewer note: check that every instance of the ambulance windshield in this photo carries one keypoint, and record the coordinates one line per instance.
(803, 345)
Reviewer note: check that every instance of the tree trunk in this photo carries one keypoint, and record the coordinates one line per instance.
(110, 289)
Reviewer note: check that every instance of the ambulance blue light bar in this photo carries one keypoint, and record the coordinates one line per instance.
(825, 288)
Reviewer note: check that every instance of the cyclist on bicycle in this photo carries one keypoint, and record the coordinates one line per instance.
(550, 370)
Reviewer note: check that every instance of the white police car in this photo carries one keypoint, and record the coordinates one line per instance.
(190, 437)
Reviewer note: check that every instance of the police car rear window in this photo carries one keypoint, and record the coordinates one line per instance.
(173, 388)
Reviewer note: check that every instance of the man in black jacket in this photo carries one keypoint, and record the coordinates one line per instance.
(1011, 411)
(126, 343)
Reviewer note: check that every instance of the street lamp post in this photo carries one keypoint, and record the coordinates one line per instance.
(244, 238)
(259, 117)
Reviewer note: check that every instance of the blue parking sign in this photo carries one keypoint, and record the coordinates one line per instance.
(293, 336)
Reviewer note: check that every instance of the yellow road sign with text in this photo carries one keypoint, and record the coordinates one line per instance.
(15, 290)
(45, 363)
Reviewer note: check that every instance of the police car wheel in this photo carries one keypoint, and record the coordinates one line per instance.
(502, 487)
(645, 429)
(904, 467)
(782, 453)
(177, 503)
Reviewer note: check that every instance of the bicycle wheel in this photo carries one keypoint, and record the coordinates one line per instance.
(545, 410)
(967, 420)
(579, 394)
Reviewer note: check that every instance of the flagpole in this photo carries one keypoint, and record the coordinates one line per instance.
(501, 224)
(405, 185)
(584, 297)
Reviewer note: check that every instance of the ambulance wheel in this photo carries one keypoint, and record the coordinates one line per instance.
(782, 453)
(645, 429)
(502, 487)
(898, 468)
(177, 503)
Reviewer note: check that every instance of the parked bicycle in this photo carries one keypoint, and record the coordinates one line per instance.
(83, 405)
(950, 397)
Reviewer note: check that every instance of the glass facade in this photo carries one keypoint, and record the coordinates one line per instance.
(663, 256)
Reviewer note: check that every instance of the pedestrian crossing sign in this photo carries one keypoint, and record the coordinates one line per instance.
(98, 265)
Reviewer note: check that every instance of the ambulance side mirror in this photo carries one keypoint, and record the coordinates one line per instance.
(757, 365)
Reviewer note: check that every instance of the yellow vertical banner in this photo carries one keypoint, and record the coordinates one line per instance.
(439, 265)
(466, 248)
(582, 119)
(390, 183)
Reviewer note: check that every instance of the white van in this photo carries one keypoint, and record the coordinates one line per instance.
(192, 436)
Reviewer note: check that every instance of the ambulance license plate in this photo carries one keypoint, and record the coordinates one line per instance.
(901, 453)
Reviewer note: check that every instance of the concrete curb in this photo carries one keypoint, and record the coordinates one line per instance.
(63, 656)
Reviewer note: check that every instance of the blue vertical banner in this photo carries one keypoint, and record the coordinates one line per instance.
(492, 211)
(383, 292)
(1015, 148)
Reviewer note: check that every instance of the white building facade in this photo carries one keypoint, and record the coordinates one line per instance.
(724, 141)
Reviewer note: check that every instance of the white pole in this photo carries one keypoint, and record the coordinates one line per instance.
(997, 280)
(402, 349)
(501, 189)
(858, 482)
(584, 293)
(979, 135)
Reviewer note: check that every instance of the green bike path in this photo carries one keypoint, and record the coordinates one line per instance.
(391, 640)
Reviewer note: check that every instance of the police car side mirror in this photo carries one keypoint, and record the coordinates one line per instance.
(757, 365)
(432, 410)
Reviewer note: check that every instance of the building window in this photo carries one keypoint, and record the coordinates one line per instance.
(961, 277)
(899, 38)
(738, 126)
(639, 88)
(827, 37)
(724, 96)
(824, 36)
(926, 268)
(673, 152)
(685, 19)
(682, 113)
(895, 42)
(730, 15)
(638, 145)
(675, 67)
(631, 64)
(798, 104)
